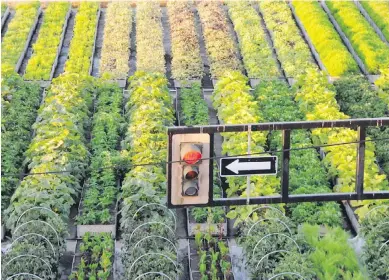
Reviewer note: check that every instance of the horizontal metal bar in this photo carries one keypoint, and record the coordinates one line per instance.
(301, 198)
(352, 123)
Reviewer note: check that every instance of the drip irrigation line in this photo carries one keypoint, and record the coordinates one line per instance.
(163, 163)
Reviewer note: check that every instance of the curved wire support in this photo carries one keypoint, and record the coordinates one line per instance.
(24, 273)
(156, 236)
(270, 234)
(271, 219)
(32, 256)
(158, 204)
(36, 207)
(148, 273)
(265, 207)
(36, 234)
(273, 252)
(150, 223)
(383, 245)
(38, 221)
(375, 208)
(286, 273)
(158, 254)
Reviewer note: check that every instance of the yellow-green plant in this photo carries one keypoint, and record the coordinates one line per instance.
(378, 11)
(372, 51)
(222, 52)
(254, 47)
(149, 37)
(186, 63)
(40, 65)
(15, 39)
(81, 46)
(292, 51)
(116, 43)
(334, 55)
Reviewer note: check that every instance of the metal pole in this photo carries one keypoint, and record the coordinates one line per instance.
(360, 161)
(248, 152)
(285, 165)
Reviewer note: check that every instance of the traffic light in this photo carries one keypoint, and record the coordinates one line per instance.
(190, 172)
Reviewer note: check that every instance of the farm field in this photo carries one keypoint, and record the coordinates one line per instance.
(89, 89)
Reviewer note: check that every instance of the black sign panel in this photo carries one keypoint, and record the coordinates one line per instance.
(244, 166)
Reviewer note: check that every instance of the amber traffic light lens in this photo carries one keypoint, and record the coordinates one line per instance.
(191, 172)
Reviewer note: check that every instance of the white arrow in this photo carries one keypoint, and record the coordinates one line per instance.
(237, 166)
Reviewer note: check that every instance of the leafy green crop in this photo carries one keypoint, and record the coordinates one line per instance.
(15, 39)
(255, 49)
(383, 86)
(194, 109)
(378, 11)
(357, 99)
(372, 51)
(97, 253)
(331, 255)
(235, 105)
(292, 51)
(45, 48)
(20, 102)
(276, 103)
(101, 189)
(149, 37)
(186, 63)
(116, 43)
(81, 47)
(222, 53)
(316, 99)
(334, 55)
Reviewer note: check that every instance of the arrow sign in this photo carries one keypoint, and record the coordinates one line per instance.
(244, 166)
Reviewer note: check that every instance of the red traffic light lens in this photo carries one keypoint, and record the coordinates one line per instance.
(190, 153)
(192, 157)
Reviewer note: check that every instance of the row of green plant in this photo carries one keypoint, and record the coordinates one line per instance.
(375, 232)
(45, 49)
(97, 252)
(377, 11)
(186, 63)
(214, 259)
(116, 43)
(235, 105)
(382, 84)
(334, 55)
(20, 102)
(149, 37)
(221, 50)
(292, 51)
(313, 251)
(369, 47)
(254, 47)
(316, 99)
(357, 99)
(15, 39)
(149, 111)
(81, 47)
(3, 8)
(59, 144)
(275, 100)
(99, 199)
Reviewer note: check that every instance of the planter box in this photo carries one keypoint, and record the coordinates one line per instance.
(214, 82)
(194, 260)
(98, 228)
(33, 27)
(254, 82)
(94, 42)
(373, 78)
(186, 83)
(331, 79)
(42, 83)
(194, 227)
(3, 232)
(5, 16)
(291, 81)
(120, 82)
